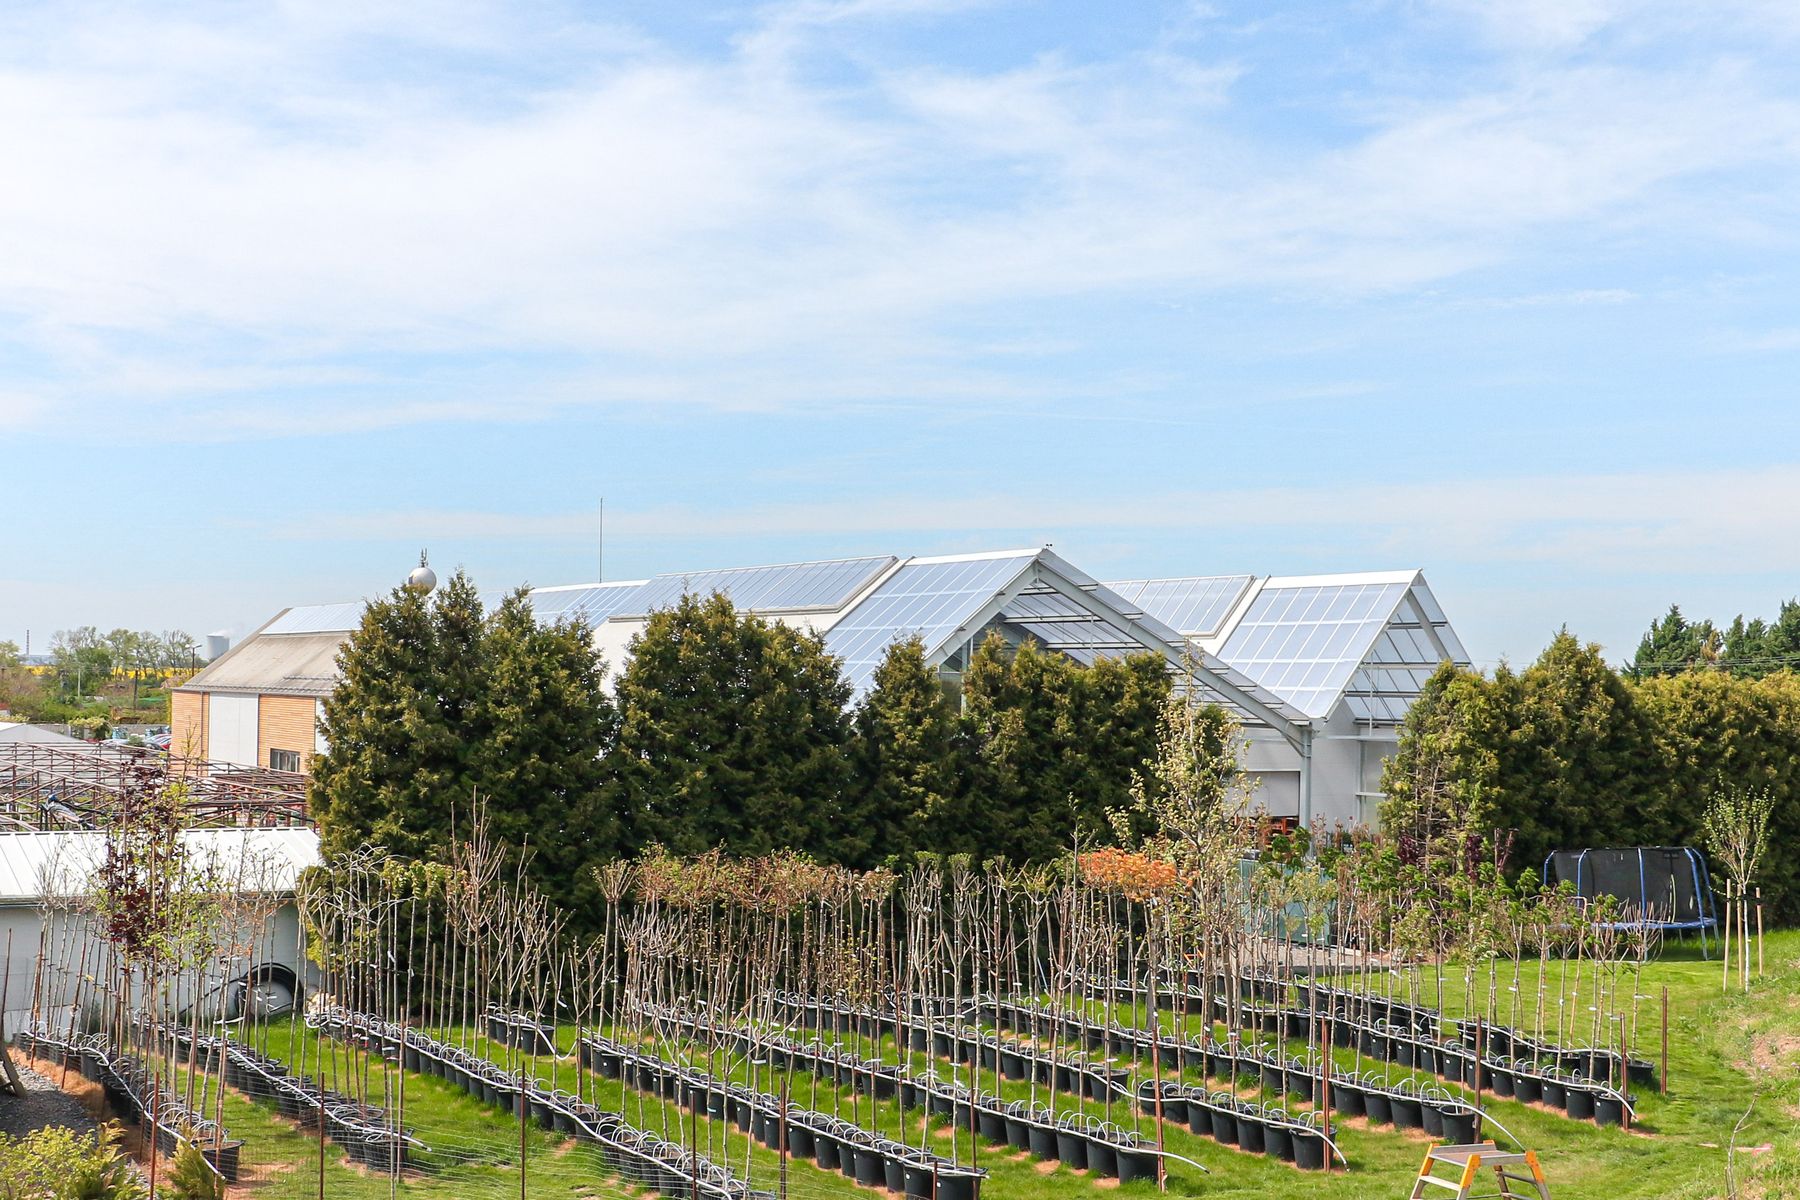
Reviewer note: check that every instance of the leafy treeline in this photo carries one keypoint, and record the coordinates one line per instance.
(724, 730)
(1752, 648)
(1569, 753)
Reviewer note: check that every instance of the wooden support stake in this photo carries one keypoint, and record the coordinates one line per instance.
(1665, 1039)
(1759, 934)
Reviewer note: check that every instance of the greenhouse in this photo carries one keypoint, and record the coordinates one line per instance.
(1320, 670)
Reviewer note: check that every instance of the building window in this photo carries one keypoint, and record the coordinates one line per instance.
(284, 760)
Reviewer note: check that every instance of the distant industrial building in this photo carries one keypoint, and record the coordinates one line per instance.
(1320, 669)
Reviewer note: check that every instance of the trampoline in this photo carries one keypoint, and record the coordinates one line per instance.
(1660, 887)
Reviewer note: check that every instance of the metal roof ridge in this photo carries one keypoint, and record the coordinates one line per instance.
(1343, 578)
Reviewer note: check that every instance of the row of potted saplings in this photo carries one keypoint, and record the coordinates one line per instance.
(1075, 1138)
(1083, 1143)
(1574, 1081)
(639, 1156)
(363, 1131)
(1295, 1138)
(1408, 1105)
(134, 1092)
(1585, 1083)
(830, 1142)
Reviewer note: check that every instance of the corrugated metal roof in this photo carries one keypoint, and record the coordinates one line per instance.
(63, 863)
(283, 664)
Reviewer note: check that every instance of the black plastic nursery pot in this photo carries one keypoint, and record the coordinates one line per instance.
(1556, 1093)
(1432, 1117)
(1043, 1141)
(1278, 1142)
(1500, 1079)
(1453, 1066)
(1224, 1126)
(1578, 1102)
(1102, 1157)
(1135, 1162)
(959, 1183)
(827, 1151)
(1528, 1089)
(224, 1158)
(894, 1167)
(1462, 1125)
(1347, 1099)
(1072, 1148)
(1251, 1132)
(991, 1125)
(1018, 1132)
(1309, 1150)
(1012, 1065)
(1409, 1111)
(871, 1167)
(1609, 1109)
(1274, 1078)
(1379, 1108)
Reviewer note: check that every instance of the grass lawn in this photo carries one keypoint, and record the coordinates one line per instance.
(1725, 1051)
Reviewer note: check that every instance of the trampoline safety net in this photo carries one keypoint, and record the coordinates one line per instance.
(1664, 885)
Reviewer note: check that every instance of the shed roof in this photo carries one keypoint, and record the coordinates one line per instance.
(63, 863)
(282, 664)
(19, 731)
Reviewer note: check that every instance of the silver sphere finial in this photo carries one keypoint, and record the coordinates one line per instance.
(423, 578)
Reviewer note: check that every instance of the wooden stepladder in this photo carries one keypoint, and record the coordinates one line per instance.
(1467, 1163)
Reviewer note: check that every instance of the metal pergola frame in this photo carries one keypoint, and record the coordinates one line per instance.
(54, 786)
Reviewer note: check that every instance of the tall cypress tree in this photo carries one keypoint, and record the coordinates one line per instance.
(1056, 745)
(908, 759)
(550, 721)
(403, 724)
(732, 732)
(1117, 709)
(440, 705)
(1571, 774)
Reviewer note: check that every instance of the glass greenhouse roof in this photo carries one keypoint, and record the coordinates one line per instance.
(592, 603)
(934, 598)
(1196, 607)
(1305, 642)
(791, 587)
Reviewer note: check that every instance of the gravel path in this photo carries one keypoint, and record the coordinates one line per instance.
(42, 1104)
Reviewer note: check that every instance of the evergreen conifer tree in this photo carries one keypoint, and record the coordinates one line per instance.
(439, 707)
(908, 759)
(394, 769)
(732, 732)
(550, 721)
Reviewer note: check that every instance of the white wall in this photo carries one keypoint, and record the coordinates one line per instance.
(231, 729)
(54, 986)
(1343, 765)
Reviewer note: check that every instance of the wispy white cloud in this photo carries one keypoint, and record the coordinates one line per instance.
(228, 205)
(1683, 522)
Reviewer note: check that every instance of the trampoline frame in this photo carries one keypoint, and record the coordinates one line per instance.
(1708, 919)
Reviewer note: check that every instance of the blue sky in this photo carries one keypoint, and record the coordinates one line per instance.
(1505, 289)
